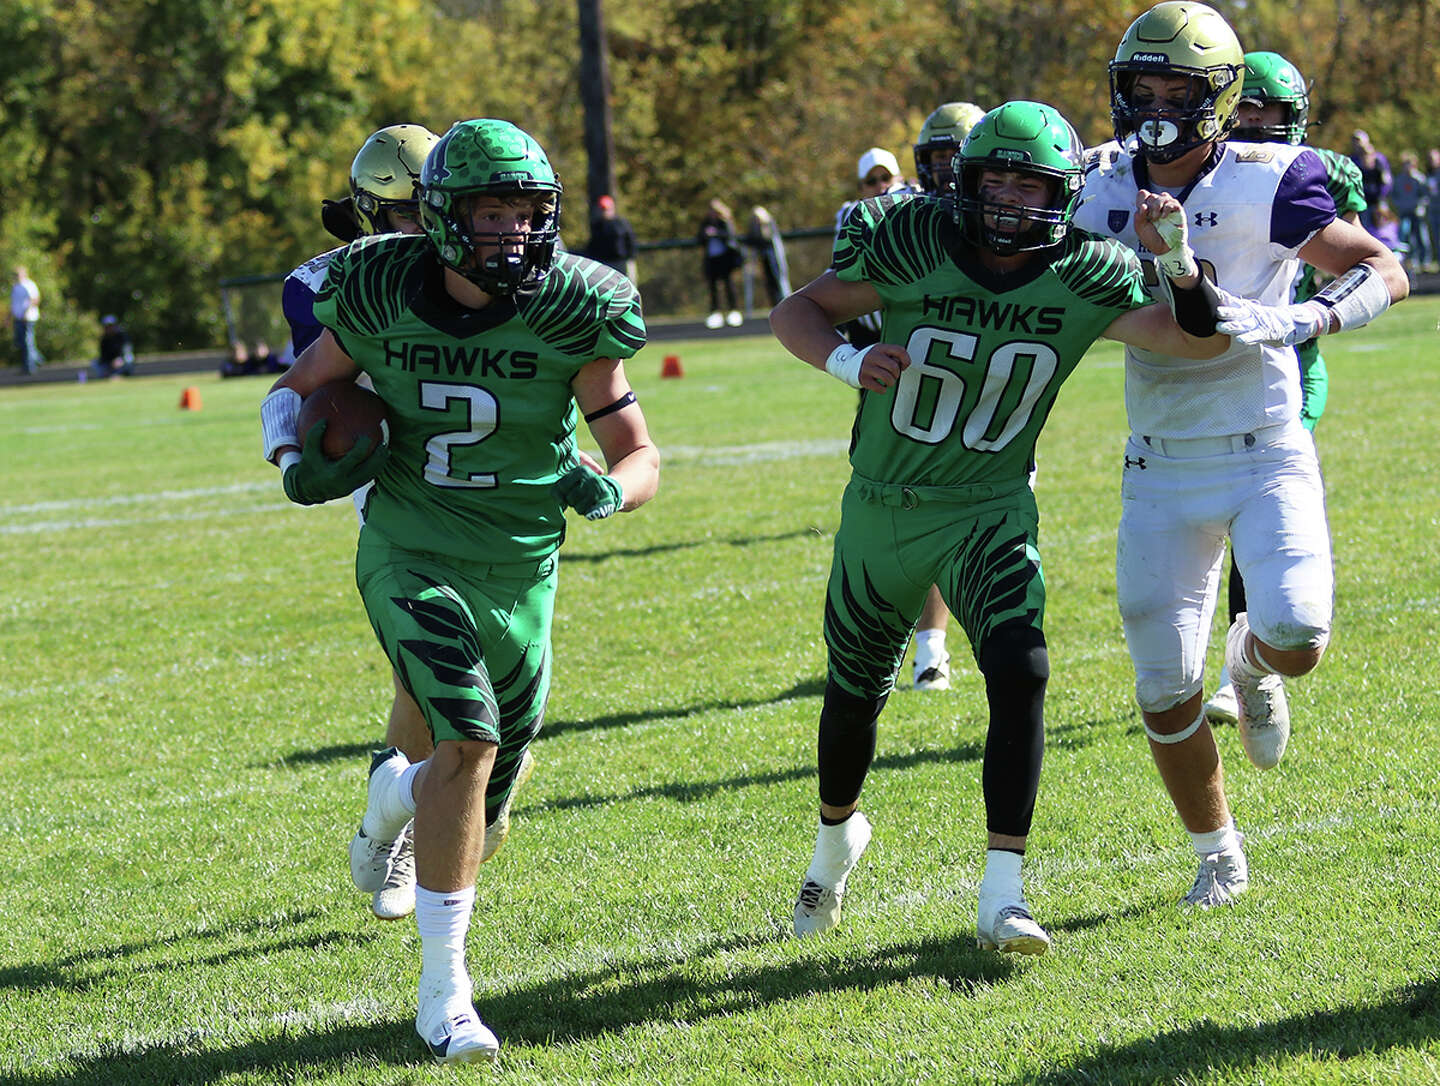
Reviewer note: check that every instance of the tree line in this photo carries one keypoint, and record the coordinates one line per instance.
(158, 146)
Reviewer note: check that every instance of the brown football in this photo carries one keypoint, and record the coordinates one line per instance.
(350, 413)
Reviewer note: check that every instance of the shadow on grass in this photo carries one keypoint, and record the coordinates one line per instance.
(806, 688)
(575, 1007)
(573, 558)
(84, 970)
(691, 791)
(1408, 1017)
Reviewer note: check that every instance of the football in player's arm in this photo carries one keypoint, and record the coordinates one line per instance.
(989, 300)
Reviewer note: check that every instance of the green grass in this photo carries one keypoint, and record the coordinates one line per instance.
(189, 688)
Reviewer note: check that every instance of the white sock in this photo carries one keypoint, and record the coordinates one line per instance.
(1001, 881)
(1251, 666)
(1224, 676)
(443, 918)
(836, 850)
(929, 647)
(394, 805)
(1225, 839)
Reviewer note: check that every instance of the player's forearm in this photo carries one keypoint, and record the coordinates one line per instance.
(805, 330)
(638, 473)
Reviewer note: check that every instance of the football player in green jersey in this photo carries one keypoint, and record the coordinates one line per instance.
(1275, 108)
(989, 300)
(482, 339)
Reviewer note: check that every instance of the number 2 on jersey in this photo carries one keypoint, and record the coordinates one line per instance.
(482, 413)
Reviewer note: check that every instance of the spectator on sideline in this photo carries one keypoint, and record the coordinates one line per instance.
(456, 560)
(612, 239)
(116, 356)
(763, 238)
(1432, 184)
(1374, 172)
(24, 313)
(877, 174)
(1410, 200)
(716, 238)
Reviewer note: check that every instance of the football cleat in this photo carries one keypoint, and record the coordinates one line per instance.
(817, 908)
(449, 1026)
(715, 320)
(395, 899)
(498, 828)
(934, 677)
(1011, 930)
(1222, 707)
(370, 852)
(1223, 876)
(1262, 711)
(734, 319)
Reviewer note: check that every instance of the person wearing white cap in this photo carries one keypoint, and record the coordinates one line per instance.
(877, 174)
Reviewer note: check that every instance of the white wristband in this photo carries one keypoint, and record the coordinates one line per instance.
(286, 459)
(278, 413)
(844, 363)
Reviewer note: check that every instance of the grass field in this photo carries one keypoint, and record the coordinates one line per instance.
(189, 690)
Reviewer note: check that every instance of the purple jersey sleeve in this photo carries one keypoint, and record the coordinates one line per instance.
(298, 303)
(1303, 204)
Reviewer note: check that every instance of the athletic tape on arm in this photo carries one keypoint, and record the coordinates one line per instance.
(278, 413)
(1355, 298)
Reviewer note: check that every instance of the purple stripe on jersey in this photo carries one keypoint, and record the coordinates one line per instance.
(1303, 205)
(298, 302)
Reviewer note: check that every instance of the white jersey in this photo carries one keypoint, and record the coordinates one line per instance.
(1249, 212)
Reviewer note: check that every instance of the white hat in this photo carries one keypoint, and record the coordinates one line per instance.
(878, 156)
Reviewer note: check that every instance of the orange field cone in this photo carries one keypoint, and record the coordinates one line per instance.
(671, 366)
(190, 399)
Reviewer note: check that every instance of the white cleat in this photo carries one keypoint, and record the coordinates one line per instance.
(715, 320)
(370, 855)
(497, 830)
(1263, 714)
(1223, 708)
(734, 319)
(935, 676)
(1223, 876)
(817, 908)
(1011, 930)
(395, 899)
(450, 1028)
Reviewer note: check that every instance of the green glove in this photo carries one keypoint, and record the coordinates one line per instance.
(588, 492)
(314, 479)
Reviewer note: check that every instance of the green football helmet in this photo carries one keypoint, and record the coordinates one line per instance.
(1269, 79)
(1176, 38)
(490, 158)
(1028, 138)
(386, 174)
(943, 130)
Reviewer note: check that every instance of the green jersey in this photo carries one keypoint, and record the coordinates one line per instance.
(988, 352)
(482, 420)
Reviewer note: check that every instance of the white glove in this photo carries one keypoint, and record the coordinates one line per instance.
(1179, 261)
(1279, 325)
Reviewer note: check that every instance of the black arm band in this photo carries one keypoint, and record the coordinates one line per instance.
(1194, 307)
(610, 409)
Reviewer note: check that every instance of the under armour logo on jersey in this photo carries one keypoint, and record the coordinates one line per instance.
(1138, 462)
(1205, 218)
